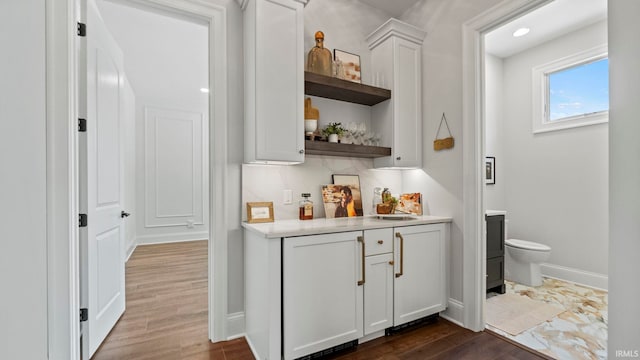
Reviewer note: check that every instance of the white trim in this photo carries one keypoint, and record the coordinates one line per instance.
(235, 325)
(473, 282)
(63, 305)
(252, 348)
(172, 238)
(576, 276)
(540, 96)
(454, 312)
(130, 251)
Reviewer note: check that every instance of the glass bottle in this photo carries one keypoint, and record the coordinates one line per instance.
(377, 199)
(319, 59)
(306, 207)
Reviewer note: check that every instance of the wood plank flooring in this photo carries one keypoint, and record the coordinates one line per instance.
(166, 318)
(167, 308)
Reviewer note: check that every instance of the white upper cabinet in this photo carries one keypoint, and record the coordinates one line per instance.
(274, 81)
(396, 64)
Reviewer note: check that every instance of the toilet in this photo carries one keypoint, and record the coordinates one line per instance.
(522, 261)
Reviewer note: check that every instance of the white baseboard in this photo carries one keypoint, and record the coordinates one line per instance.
(171, 238)
(235, 325)
(454, 312)
(130, 250)
(580, 277)
(252, 348)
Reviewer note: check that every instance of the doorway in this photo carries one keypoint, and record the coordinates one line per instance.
(499, 127)
(204, 198)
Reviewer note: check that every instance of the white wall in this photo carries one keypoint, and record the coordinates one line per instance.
(624, 177)
(555, 182)
(440, 181)
(23, 246)
(166, 60)
(494, 130)
(266, 182)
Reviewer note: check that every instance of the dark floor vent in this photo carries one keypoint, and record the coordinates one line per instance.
(412, 325)
(351, 345)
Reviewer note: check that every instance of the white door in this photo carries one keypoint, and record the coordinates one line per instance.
(322, 292)
(105, 261)
(378, 293)
(420, 281)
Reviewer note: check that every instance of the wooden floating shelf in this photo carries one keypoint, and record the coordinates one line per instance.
(338, 89)
(347, 150)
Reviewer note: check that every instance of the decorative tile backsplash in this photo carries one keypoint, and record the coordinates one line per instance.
(267, 182)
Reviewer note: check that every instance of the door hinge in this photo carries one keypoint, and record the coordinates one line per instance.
(82, 125)
(84, 314)
(83, 220)
(82, 29)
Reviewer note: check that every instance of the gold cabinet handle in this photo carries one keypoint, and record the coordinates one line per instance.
(361, 240)
(392, 262)
(398, 235)
(380, 242)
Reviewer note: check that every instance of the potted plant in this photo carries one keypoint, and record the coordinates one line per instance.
(333, 131)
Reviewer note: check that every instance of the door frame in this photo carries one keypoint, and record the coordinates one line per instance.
(62, 172)
(473, 99)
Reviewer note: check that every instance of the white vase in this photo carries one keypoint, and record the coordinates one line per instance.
(333, 138)
(310, 126)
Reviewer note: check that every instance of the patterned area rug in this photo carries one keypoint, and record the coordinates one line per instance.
(578, 333)
(517, 313)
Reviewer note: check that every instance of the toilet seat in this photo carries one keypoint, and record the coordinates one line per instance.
(527, 245)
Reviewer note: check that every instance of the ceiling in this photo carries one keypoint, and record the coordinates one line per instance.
(550, 21)
(394, 8)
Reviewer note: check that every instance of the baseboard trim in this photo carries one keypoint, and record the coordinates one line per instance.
(576, 276)
(252, 348)
(171, 238)
(130, 251)
(235, 325)
(454, 312)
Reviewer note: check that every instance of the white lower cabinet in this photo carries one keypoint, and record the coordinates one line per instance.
(420, 280)
(322, 292)
(378, 293)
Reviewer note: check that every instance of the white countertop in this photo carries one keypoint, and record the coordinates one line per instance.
(495, 212)
(287, 228)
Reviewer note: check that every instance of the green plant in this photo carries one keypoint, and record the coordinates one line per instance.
(333, 128)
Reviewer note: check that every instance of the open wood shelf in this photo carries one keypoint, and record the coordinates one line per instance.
(338, 89)
(348, 150)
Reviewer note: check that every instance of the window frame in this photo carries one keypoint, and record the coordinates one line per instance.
(541, 98)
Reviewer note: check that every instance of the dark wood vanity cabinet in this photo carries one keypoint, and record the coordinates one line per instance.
(495, 253)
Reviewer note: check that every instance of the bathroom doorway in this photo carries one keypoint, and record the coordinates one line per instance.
(548, 176)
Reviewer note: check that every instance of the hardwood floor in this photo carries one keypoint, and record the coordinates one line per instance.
(166, 318)
(167, 308)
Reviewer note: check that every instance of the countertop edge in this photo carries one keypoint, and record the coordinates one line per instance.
(292, 228)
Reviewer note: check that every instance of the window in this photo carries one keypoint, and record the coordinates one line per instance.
(572, 91)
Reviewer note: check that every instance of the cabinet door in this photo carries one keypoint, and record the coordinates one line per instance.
(396, 49)
(378, 293)
(407, 108)
(420, 279)
(322, 292)
(495, 236)
(274, 81)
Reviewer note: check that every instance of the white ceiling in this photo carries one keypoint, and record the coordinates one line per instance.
(395, 8)
(550, 21)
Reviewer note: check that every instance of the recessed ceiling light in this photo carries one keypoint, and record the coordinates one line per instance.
(521, 32)
(204, 90)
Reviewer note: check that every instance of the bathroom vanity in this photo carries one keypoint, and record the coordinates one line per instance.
(495, 250)
(326, 283)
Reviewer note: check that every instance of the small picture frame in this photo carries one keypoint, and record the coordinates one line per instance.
(259, 212)
(353, 181)
(490, 170)
(350, 65)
